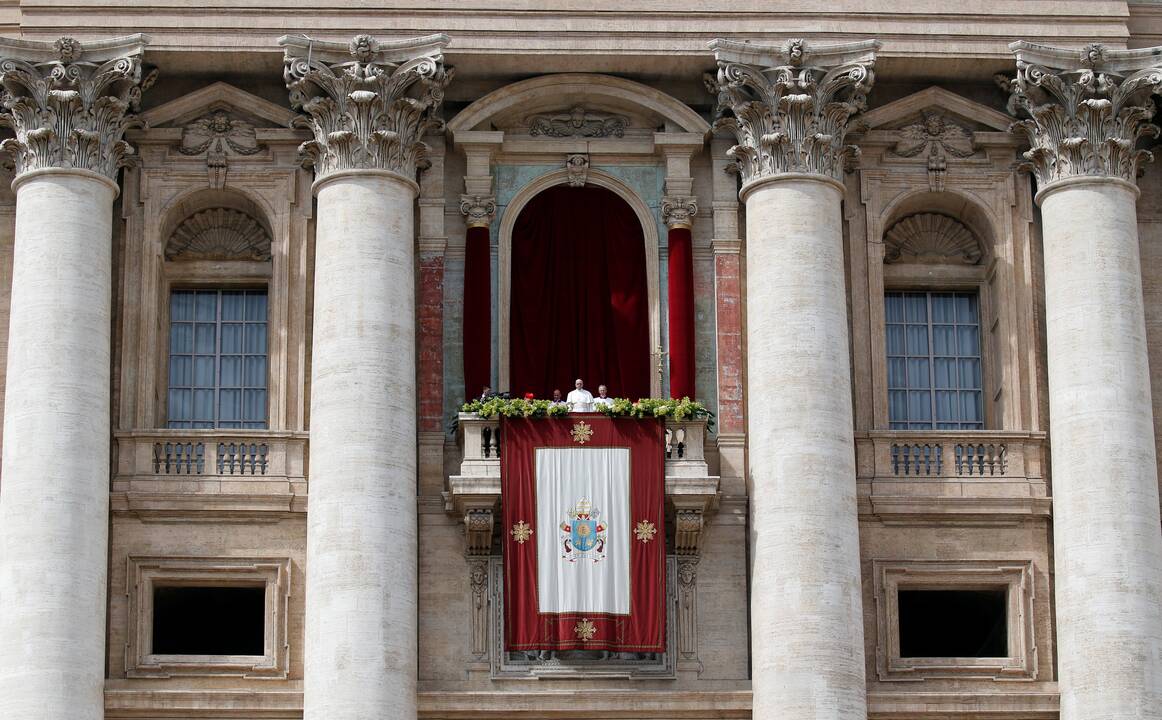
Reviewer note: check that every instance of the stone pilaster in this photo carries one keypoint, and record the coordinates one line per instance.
(788, 108)
(1084, 111)
(368, 105)
(68, 104)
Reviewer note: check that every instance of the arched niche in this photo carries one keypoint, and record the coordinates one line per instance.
(959, 208)
(508, 222)
(216, 224)
(498, 108)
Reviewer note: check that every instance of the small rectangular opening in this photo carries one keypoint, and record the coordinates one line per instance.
(953, 623)
(200, 620)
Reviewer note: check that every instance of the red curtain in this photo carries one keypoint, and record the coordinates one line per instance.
(477, 312)
(681, 304)
(579, 304)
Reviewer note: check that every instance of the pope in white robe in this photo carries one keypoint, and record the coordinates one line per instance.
(580, 399)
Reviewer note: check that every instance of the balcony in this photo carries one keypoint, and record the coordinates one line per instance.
(971, 474)
(474, 493)
(209, 471)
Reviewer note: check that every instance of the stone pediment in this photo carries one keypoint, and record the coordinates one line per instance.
(219, 97)
(935, 101)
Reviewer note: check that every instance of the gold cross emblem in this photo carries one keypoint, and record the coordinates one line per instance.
(585, 630)
(645, 531)
(582, 432)
(521, 532)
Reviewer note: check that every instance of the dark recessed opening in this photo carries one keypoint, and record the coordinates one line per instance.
(953, 623)
(209, 620)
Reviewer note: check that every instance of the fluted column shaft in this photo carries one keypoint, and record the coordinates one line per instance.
(67, 104)
(788, 108)
(368, 105)
(1084, 111)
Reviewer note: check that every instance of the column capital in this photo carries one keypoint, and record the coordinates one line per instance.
(478, 209)
(678, 211)
(368, 103)
(69, 102)
(1084, 109)
(789, 105)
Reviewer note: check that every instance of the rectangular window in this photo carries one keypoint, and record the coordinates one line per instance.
(953, 623)
(934, 362)
(217, 359)
(191, 620)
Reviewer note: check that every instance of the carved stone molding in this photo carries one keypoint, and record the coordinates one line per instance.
(478, 523)
(578, 122)
(219, 234)
(931, 238)
(687, 531)
(218, 136)
(679, 211)
(478, 209)
(1085, 109)
(478, 581)
(368, 103)
(578, 167)
(687, 608)
(789, 106)
(939, 137)
(69, 102)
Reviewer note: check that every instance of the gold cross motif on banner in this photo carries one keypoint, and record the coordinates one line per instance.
(585, 630)
(582, 432)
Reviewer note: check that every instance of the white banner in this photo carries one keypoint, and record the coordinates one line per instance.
(583, 530)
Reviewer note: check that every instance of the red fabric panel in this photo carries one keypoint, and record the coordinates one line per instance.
(477, 312)
(579, 300)
(644, 629)
(430, 316)
(681, 302)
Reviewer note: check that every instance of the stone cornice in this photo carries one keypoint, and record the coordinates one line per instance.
(1085, 109)
(69, 103)
(788, 106)
(368, 103)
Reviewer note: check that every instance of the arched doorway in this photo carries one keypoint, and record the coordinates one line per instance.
(579, 304)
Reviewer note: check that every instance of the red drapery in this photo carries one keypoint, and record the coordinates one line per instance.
(681, 305)
(579, 304)
(643, 630)
(477, 316)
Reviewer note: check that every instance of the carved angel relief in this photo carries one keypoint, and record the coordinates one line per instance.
(218, 135)
(940, 137)
(578, 122)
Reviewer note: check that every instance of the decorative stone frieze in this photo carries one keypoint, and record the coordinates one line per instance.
(578, 122)
(218, 135)
(69, 102)
(368, 103)
(577, 166)
(789, 106)
(219, 234)
(478, 209)
(679, 211)
(931, 238)
(1085, 109)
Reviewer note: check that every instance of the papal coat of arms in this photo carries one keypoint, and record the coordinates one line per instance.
(582, 533)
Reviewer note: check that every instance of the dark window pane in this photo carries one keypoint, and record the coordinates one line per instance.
(953, 623)
(209, 620)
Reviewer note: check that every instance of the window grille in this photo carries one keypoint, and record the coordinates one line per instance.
(217, 359)
(934, 361)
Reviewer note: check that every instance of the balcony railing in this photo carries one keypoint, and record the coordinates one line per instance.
(158, 466)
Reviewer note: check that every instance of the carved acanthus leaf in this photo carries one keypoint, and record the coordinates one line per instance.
(368, 103)
(219, 234)
(69, 103)
(789, 106)
(578, 122)
(1084, 110)
(931, 238)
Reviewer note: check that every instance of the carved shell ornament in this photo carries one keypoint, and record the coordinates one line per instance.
(219, 234)
(931, 238)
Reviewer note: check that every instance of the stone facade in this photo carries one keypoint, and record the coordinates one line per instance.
(1002, 153)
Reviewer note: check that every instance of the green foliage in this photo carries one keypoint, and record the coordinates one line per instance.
(684, 409)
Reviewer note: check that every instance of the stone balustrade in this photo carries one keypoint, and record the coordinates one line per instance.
(952, 471)
(241, 469)
(474, 493)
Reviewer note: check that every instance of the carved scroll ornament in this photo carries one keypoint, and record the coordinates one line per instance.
(368, 103)
(789, 107)
(578, 122)
(69, 103)
(1085, 109)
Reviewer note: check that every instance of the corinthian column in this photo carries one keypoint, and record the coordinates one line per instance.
(368, 105)
(788, 107)
(68, 104)
(1086, 109)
